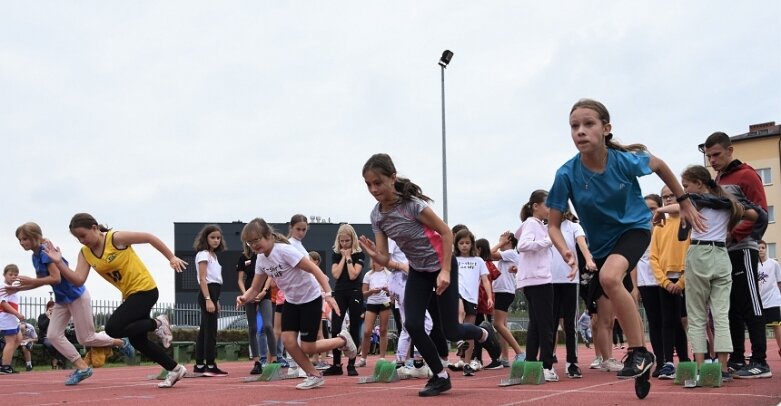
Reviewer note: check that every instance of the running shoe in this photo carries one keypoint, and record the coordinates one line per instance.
(596, 363)
(636, 362)
(667, 371)
(333, 370)
(351, 371)
(257, 369)
(361, 363)
(78, 376)
(550, 375)
(311, 382)
(174, 376)
(212, 370)
(348, 348)
(495, 364)
(127, 349)
(611, 365)
(435, 386)
(573, 371)
(164, 330)
(754, 370)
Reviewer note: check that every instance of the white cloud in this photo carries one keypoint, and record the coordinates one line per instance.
(148, 113)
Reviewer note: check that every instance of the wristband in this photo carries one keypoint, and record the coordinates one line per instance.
(683, 197)
(208, 298)
(328, 294)
(349, 261)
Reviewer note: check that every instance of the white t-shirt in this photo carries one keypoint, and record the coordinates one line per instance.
(769, 276)
(505, 283)
(7, 320)
(645, 274)
(377, 279)
(558, 268)
(398, 279)
(299, 245)
(298, 286)
(470, 269)
(213, 267)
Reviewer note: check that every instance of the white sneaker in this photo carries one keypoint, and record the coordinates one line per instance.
(361, 363)
(611, 365)
(596, 363)
(476, 365)
(301, 373)
(550, 375)
(423, 372)
(311, 382)
(348, 348)
(164, 330)
(173, 377)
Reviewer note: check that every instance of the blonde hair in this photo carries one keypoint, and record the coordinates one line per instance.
(346, 229)
(30, 230)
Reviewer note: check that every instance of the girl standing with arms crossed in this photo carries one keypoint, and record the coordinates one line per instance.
(112, 256)
(504, 288)
(9, 318)
(402, 213)
(207, 244)
(305, 287)
(69, 302)
(534, 277)
(378, 304)
(601, 181)
(708, 269)
(347, 264)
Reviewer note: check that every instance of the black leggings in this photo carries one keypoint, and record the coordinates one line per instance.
(565, 306)
(673, 335)
(419, 296)
(539, 339)
(349, 301)
(653, 312)
(131, 319)
(206, 343)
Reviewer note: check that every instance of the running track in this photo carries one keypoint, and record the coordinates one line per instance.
(129, 386)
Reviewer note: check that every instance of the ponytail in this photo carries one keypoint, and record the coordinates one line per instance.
(537, 197)
(406, 189)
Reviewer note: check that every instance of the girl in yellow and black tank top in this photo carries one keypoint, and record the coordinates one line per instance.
(111, 254)
(120, 267)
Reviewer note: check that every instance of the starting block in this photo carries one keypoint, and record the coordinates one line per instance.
(163, 374)
(710, 375)
(686, 371)
(272, 372)
(384, 371)
(524, 373)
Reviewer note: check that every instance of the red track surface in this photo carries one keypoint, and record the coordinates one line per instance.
(129, 386)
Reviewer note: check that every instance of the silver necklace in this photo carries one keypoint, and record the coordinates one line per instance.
(583, 168)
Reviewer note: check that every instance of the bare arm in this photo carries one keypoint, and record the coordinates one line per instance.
(378, 250)
(428, 218)
(128, 238)
(308, 266)
(689, 214)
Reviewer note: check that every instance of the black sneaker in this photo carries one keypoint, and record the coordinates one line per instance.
(333, 370)
(636, 362)
(468, 370)
(491, 344)
(6, 369)
(726, 376)
(754, 370)
(495, 364)
(573, 371)
(28, 368)
(214, 371)
(257, 369)
(351, 371)
(657, 371)
(199, 369)
(435, 386)
(733, 366)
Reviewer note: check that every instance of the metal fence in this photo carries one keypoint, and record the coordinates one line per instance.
(179, 314)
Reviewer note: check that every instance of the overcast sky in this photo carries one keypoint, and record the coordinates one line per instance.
(147, 113)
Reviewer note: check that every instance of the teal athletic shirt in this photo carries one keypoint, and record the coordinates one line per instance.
(609, 203)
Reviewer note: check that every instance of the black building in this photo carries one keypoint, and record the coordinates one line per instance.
(320, 238)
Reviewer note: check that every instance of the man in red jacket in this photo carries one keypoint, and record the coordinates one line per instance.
(745, 301)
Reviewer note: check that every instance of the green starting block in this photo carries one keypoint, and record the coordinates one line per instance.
(686, 371)
(163, 374)
(524, 373)
(384, 371)
(272, 372)
(710, 375)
